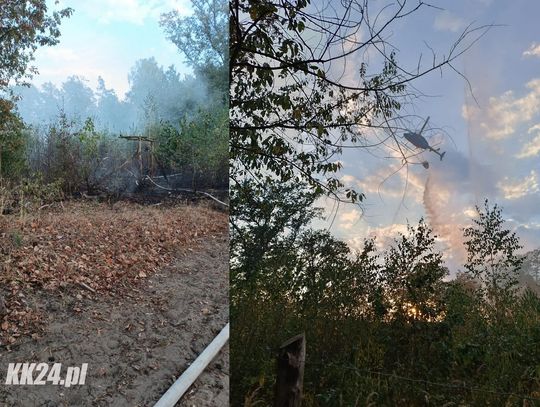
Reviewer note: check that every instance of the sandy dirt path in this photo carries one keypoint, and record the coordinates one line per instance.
(136, 346)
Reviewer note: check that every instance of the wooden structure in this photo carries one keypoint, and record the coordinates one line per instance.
(290, 372)
(139, 154)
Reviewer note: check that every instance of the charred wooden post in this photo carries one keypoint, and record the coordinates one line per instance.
(138, 156)
(290, 372)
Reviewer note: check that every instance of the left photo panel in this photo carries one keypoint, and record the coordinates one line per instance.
(114, 248)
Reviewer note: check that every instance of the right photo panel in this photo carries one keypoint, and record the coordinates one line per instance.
(384, 189)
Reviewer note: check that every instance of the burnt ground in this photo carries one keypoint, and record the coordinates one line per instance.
(137, 343)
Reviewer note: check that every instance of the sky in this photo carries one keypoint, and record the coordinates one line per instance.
(492, 141)
(105, 38)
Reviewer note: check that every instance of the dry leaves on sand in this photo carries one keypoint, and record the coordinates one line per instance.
(93, 247)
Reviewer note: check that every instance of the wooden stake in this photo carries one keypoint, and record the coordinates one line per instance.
(290, 372)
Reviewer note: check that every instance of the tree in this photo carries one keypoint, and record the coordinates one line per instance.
(491, 253)
(147, 82)
(113, 115)
(293, 110)
(413, 273)
(267, 219)
(203, 39)
(25, 25)
(12, 141)
(78, 99)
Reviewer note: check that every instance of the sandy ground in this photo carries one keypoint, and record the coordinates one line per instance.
(135, 346)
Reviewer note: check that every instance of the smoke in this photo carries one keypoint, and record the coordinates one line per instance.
(452, 189)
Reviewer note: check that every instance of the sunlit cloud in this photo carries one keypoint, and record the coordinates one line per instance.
(532, 148)
(348, 219)
(515, 189)
(388, 183)
(470, 212)
(385, 235)
(532, 51)
(506, 112)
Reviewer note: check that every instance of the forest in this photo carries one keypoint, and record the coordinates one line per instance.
(382, 326)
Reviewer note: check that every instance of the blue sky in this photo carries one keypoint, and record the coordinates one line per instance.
(493, 146)
(105, 38)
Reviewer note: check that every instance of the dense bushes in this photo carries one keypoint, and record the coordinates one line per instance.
(382, 327)
(76, 156)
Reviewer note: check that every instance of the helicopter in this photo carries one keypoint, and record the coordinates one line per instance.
(419, 141)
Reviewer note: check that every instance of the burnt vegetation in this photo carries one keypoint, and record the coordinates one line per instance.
(167, 136)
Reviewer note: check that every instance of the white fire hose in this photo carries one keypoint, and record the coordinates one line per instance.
(180, 386)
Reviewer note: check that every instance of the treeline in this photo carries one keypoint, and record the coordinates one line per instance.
(383, 327)
(155, 94)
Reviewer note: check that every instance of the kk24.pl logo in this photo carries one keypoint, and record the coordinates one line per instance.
(43, 373)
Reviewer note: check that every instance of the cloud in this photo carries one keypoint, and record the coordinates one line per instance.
(385, 235)
(388, 182)
(513, 189)
(349, 218)
(131, 11)
(532, 148)
(56, 64)
(448, 21)
(89, 50)
(532, 51)
(506, 112)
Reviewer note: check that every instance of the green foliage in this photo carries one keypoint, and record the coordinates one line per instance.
(16, 238)
(203, 39)
(491, 253)
(266, 221)
(25, 25)
(76, 155)
(382, 327)
(13, 142)
(412, 274)
(199, 147)
(28, 194)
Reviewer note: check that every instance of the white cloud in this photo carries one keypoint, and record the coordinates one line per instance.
(109, 52)
(385, 235)
(448, 21)
(507, 111)
(132, 11)
(348, 219)
(513, 189)
(532, 148)
(56, 64)
(470, 212)
(532, 51)
(387, 183)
